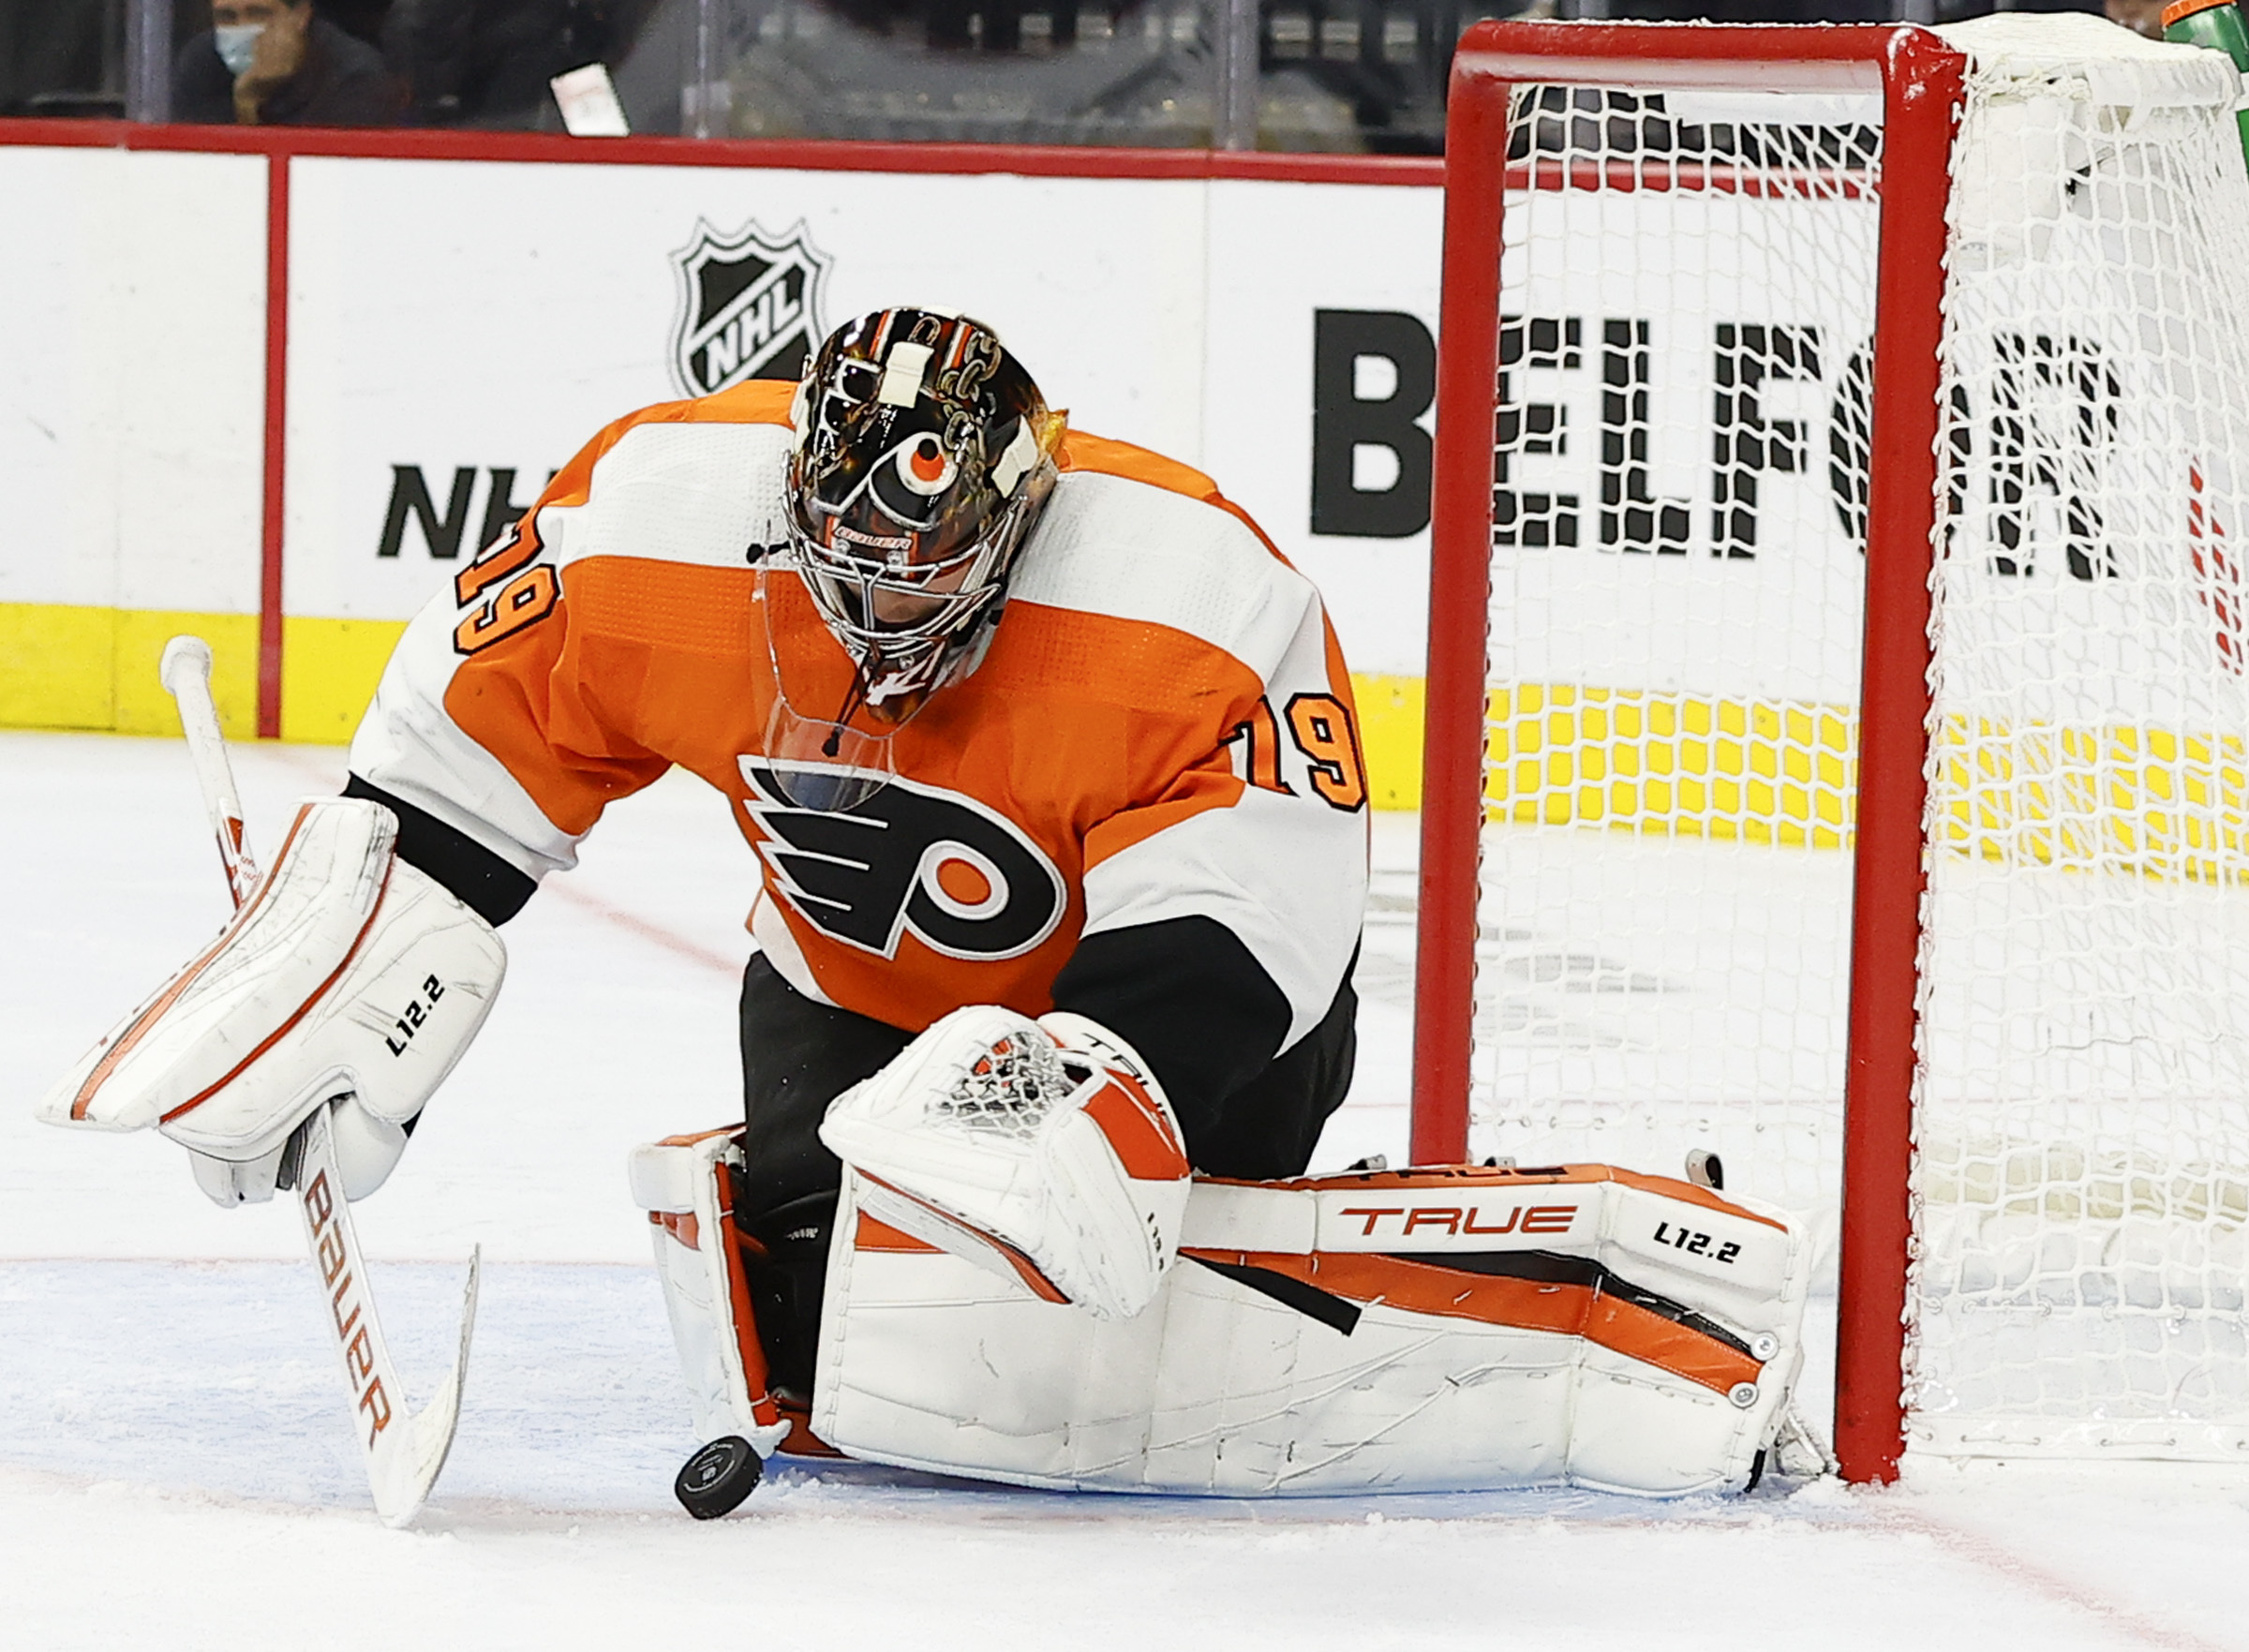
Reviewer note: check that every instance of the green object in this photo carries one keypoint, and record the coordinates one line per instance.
(2216, 24)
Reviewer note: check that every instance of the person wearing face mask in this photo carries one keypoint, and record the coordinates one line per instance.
(274, 63)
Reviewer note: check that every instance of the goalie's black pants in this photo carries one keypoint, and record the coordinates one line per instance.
(799, 1055)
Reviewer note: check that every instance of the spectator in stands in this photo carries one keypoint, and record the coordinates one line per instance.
(2142, 17)
(274, 63)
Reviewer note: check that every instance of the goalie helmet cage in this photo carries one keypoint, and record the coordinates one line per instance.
(1821, 801)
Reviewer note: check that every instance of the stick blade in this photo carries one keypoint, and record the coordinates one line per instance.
(401, 1471)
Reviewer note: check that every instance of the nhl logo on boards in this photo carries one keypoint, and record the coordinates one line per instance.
(749, 306)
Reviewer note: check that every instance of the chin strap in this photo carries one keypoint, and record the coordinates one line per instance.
(852, 700)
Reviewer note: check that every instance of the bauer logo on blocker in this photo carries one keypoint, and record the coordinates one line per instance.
(749, 306)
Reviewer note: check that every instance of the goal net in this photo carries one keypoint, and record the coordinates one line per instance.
(1691, 431)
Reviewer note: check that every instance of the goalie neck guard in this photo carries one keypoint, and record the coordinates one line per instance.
(923, 452)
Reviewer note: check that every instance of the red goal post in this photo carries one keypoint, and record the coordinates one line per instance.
(1920, 82)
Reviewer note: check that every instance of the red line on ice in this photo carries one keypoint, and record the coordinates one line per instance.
(693, 951)
(1995, 1557)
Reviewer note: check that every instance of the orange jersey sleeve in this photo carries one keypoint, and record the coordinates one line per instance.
(510, 709)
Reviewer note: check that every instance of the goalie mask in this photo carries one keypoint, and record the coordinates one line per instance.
(923, 452)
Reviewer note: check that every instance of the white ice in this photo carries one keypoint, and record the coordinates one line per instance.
(175, 1469)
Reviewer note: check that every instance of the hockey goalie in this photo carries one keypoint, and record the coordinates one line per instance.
(1050, 761)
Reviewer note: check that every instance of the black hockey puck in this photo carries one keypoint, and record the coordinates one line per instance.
(716, 1479)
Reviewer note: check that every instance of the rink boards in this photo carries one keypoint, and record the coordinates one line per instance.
(456, 327)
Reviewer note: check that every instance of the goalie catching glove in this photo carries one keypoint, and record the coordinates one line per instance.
(1044, 1151)
(348, 977)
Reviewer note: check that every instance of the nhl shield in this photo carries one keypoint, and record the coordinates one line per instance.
(749, 306)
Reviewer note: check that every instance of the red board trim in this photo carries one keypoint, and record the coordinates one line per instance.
(276, 442)
(823, 156)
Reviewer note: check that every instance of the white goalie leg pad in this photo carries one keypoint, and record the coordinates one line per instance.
(348, 973)
(1422, 1331)
(1042, 1150)
(685, 1185)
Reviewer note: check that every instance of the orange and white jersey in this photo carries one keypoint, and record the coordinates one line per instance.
(1161, 729)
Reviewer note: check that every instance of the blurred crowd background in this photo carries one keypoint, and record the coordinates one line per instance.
(1339, 76)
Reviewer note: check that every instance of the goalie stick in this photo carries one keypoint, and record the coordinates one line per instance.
(404, 1451)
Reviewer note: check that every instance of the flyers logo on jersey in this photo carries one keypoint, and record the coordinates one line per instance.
(961, 878)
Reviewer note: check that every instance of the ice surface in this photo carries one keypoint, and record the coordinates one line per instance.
(174, 1470)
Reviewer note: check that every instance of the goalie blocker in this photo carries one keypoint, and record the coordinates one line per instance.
(349, 976)
(1417, 1331)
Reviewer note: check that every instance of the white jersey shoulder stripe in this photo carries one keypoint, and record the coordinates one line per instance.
(700, 494)
(1109, 544)
(1285, 870)
(409, 745)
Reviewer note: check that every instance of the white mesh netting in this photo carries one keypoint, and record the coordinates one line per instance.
(1008, 1089)
(1686, 297)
